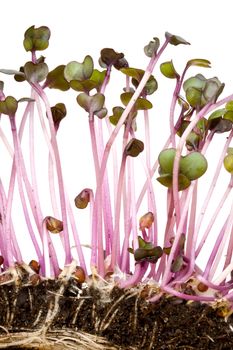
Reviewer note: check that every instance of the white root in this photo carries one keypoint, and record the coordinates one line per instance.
(59, 340)
(53, 311)
(47, 338)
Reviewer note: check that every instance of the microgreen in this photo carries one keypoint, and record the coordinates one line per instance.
(128, 237)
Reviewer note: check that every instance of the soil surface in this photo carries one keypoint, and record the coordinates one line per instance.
(124, 318)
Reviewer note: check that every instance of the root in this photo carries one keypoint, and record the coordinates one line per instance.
(53, 311)
(38, 331)
(11, 276)
(19, 339)
(57, 339)
(113, 311)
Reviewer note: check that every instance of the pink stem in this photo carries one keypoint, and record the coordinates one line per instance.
(39, 90)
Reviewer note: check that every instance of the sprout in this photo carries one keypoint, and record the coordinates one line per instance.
(134, 148)
(117, 196)
(56, 80)
(152, 48)
(200, 91)
(79, 274)
(146, 220)
(36, 39)
(79, 71)
(168, 70)
(35, 72)
(8, 106)
(53, 225)
(82, 199)
(58, 112)
(35, 266)
(92, 104)
(109, 57)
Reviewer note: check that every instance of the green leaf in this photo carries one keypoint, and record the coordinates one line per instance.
(35, 72)
(11, 72)
(9, 106)
(79, 71)
(197, 82)
(177, 264)
(140, 104)
(228, 163)
(218, 93)
(183, 182)
(148, 254)
(166, 160)
(182, 241)
(110, 57)
(85, 85)
(192, 141)
(55, 79)
(184, 104)
(199, 62)
(121, 63)
(88, 67)
(58, 113)
(229, 106)
(126, 97)
(168, 70)
(130, 250)
(195, 136)
(228, 115)
(151, 48)
(26, 99)
(143, 104)
(95, 82)
(136, 75)
(167, 250)
(97, 102)
(84, 101)
(193, 165)
(117, 113)
(194, 97)
(230, 150)
(98, 77)
(217, 114)
(91, 104)
(175, 39)
(182, 127)
(150, 87)
(140, 254)
(102, 113)
(36, 39)
(166, 180)
(211, 89)
(202, 126)
(144, 244)
(220, 125)
(134, 147)
(133, 73)
(20, 77)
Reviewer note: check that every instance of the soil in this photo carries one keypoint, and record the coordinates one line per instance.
(51, 316)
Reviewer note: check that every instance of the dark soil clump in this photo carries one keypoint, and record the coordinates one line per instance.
(124, 318)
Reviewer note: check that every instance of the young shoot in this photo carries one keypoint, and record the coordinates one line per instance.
(149, 230)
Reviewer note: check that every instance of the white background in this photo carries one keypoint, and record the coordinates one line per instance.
(85, 27)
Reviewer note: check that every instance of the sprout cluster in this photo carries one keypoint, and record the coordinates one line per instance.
(123, 245)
